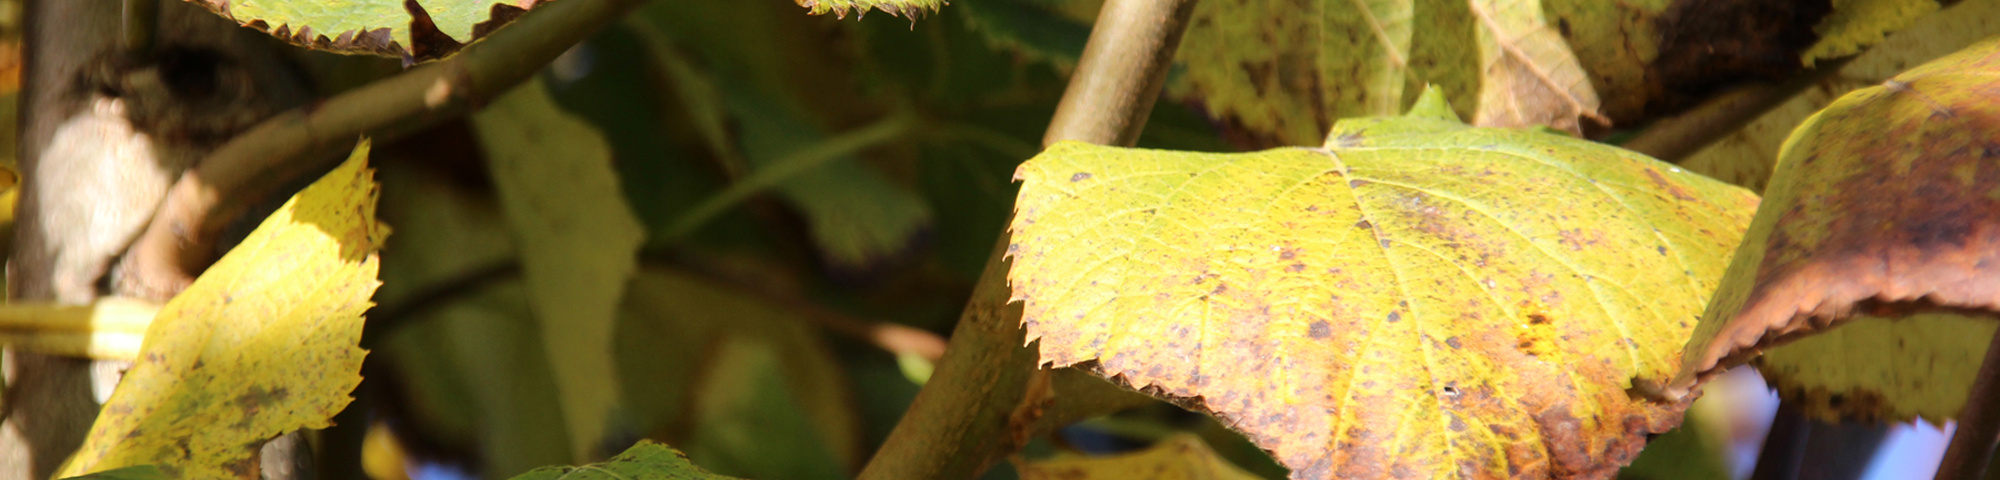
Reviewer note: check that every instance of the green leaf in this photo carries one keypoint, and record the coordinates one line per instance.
(1419, 296)
(1036, 31)
(732, 377)
(1285, 69)
(380, 27)
(579, 243)
(472, 368)
(1884, 204)
(263, 343)
(647, 460)
(856, 216)
(901, 8)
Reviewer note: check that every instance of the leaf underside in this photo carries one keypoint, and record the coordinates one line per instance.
(1885, 204)
(1420, 298)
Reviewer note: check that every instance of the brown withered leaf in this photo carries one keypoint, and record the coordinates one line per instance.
(1885, 204)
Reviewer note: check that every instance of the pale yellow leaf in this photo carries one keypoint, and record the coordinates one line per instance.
(264, 342)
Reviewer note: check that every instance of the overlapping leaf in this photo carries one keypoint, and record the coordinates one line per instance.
(422, 30)
(901, 8)
(1882, 205)
(1286, 69)
(1180, 457)
(1747, 156)
(579, 243)
(1857, 24)
(262, 343)
(1419, 298)
(647, 460)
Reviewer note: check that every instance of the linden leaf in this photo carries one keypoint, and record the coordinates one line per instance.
(1920, 366)
(579, 243)
(1883, 204)
(1289, 68)
(1180, 457)
(142, 472)
(648, 460)
(264, 342)
(424, 30)
(1419, 298)
(1747, 156)
(902, 8)
(1857, 24)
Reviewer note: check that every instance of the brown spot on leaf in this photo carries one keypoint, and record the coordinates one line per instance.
(1319, 330)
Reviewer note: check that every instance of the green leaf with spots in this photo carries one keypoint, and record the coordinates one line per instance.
(1417, 298)
(422, 30)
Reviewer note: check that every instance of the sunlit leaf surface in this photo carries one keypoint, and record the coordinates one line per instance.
(263, 343)
(1419, 298)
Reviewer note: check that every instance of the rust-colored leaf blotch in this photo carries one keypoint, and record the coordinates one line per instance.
(1885, 204)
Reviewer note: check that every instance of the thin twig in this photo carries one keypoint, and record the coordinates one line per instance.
(182, 234)
(1971, 446)
(970, 414)
(1121, 72)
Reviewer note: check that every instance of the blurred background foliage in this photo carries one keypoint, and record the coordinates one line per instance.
(804, 182)
(818, 197)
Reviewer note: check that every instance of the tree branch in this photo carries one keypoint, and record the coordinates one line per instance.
(988, 396)
(181, 238)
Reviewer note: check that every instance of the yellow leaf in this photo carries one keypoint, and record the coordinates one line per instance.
(1916, 367)
(1418, 297)
(1858, 24)
(1745, 157)
(1884, 204)
(262, 343)
(578, 239)
(1285, 69)
(1180, 457)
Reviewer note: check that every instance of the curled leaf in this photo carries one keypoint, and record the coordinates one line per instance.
(1884, 204)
